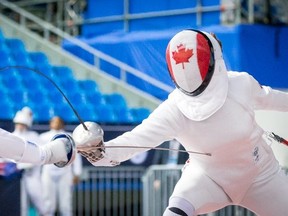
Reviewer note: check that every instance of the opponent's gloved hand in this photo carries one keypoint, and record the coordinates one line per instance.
(60, 151)
(89, 143)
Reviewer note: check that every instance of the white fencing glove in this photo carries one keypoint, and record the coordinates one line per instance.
(62, 148)
(89, 143)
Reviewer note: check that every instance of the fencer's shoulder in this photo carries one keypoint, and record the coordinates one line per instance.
(240, 77)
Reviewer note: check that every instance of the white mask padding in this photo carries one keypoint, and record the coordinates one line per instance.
(209, 101)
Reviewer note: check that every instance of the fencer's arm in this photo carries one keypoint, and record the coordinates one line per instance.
(163, 124)
(266, 98)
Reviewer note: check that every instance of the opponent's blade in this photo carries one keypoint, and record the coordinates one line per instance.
(155, 148)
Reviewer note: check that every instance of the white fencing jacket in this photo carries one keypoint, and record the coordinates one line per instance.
(231, 135)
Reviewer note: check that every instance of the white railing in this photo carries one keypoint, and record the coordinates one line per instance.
(131, 191)
(158, 185)
(106, 191)
(126, 17)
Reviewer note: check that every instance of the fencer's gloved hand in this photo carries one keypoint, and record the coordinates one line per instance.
(89, 143)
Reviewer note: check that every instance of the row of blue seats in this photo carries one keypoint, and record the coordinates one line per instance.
(105, 113)
(25, 79)
(92, 105)
(86, 94)
(20, 87)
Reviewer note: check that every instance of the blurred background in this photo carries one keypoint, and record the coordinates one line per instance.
(108, 58)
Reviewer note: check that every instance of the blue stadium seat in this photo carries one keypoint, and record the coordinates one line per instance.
(15, 44)
(87, 112)
(63, 72)
(66, 113)
(39, 57)
(43, 112)
(46, 84)
(6, 59)
(5, 98)
(22, 58)
(23, 73)
(45, 69)
(29, 79)
(38, 96)
(69, 84)
(55, 97)
(116, 100)
(77, 98)
(7, 112)
(140, 114)
(88, 85)
(11, 80)
(8, 72)
(124, 115)
(19, 95)
(95, 98)
(106, 114)
(3, 47)
(3, 90)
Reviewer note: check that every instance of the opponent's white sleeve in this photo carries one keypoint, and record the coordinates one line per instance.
(19, 150)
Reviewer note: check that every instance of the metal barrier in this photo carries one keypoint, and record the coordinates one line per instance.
(131, 191)
(158, 185)
(108, 191)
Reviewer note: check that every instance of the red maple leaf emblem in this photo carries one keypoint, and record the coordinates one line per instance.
(182, 55)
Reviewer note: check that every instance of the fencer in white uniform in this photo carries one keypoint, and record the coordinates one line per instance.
(212, 111)
(59, 151)
(31, 185)
(58, 182)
